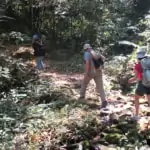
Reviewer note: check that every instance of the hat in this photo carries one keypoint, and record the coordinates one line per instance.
(86, 46)
(140, 53)
(35, 36)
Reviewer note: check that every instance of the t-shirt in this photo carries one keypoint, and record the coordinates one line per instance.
(139, 70)
(87, 56)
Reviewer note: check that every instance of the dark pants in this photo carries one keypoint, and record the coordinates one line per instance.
(141, 89)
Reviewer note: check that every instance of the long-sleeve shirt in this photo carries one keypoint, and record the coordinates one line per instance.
(38, 51)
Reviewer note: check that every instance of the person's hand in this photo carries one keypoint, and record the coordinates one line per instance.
(131, 80)
(46, 54)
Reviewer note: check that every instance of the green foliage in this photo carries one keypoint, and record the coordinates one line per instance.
(3, 7)
(35, 113)
(67, 24)
(32, 112)
(18, 37)
(15, 38)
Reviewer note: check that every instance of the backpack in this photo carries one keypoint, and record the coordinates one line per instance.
(97, 59)
(145, 63)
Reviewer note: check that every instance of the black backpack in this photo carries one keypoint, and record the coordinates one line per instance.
(97, 62)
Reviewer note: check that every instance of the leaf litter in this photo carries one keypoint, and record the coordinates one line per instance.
(48, 114)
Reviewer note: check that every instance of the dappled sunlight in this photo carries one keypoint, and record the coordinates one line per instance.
(52, 103)
(43, 64)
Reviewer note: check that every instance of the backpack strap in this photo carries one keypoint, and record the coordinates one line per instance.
(142, 62)
(100, 56)
(92, 57)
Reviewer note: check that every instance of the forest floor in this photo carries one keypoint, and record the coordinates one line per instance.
(57, 120)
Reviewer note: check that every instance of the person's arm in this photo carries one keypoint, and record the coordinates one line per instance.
(133, 79)
(87, 66)
(39, 43)
(87, 58)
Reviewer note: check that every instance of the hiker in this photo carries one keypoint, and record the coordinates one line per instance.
(39, 52)
(92, 71)
(143, 87)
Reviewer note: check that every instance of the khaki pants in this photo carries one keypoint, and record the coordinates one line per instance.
(97, 76)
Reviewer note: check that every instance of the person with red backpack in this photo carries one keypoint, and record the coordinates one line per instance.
(93, 70)
(142, 76)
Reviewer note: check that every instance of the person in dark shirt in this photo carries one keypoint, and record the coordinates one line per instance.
(39, 52)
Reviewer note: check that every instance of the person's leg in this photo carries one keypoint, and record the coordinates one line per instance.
(41, 64)
(84, 85)
(147, 94)
(136, 102)
(148, 98)
(37, 59)
(138, 93)
(100, 87)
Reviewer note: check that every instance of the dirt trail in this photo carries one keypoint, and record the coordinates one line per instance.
(120, 107)
(118, 103)
(61, 77)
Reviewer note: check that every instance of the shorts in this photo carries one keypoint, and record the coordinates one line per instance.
(141, 89)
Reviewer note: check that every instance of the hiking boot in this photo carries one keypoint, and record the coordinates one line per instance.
(81, 98)
(135, 118)
(104, 104)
